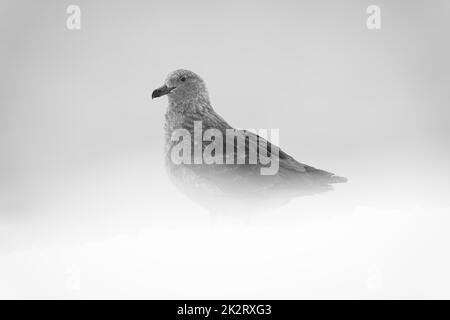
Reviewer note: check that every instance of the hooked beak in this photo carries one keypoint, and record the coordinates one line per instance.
(162, 91)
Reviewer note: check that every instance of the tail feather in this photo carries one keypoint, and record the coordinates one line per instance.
(337, 179)
(326, 176)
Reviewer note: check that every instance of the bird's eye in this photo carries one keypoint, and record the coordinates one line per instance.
(183, 79)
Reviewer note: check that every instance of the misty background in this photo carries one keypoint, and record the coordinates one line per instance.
(87, 211)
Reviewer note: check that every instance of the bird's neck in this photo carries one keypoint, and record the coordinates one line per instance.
(182, 114)
(188, 103)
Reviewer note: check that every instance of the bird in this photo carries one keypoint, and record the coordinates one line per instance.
(222, 186)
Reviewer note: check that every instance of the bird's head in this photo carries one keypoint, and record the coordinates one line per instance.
(181, 86)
